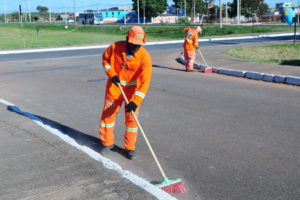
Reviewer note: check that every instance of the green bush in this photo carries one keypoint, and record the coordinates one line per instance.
(184, 21)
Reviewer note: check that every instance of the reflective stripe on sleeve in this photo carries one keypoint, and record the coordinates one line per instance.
(139, 94)
(107, 125)
(107, 67)
(128, 84)
(131, 129)
(190, 41)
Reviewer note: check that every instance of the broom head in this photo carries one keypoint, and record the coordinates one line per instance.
(172, 186)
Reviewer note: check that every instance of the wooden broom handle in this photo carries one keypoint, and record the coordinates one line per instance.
(202, 56)
(143, 133)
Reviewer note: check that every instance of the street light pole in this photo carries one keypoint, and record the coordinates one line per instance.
(25, 16)
(5, 19)
(226, 12)
(29, 12)
(50, 11)
(298, 10)
(75, 12)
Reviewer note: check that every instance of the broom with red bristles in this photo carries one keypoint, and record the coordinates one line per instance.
(169, 186)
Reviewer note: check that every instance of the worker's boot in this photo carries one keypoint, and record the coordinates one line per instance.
(105, 150)
(130, 154)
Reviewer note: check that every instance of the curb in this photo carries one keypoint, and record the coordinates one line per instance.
(290, 80)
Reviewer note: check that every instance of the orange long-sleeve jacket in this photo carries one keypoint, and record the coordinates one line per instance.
(191, 39)
(134, 73)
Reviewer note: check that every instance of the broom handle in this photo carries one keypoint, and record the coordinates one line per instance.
(143, 133)
(202, 56)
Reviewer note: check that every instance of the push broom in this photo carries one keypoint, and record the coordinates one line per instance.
(206, 69)
(169, 186)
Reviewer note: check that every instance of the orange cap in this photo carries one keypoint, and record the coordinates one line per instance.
(198, 29)
(136, 35)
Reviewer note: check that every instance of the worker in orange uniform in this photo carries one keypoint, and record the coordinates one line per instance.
(129, 64)
(189, 45)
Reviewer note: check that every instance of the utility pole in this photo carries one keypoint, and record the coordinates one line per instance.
(298, 11)
(22, 26)
(5, 19)
(50, 11)
(66, 12)
(29, 12)
(25, 13)
(220, 2)
(138, 9)
(226, 12)
(75, 12)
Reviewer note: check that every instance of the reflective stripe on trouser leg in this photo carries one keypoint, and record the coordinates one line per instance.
(189, 57)
(131, 131)
(107, 124)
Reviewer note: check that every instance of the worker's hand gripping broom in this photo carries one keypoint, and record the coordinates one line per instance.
(170, 186)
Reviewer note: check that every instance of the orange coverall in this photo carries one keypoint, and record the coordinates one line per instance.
(189, 45)
(135, 75)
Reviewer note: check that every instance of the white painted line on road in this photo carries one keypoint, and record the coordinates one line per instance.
(51, 49)
(147, 44)
(158, 193)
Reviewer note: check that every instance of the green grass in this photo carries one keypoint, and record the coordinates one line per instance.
(285, 54)
(53, 35)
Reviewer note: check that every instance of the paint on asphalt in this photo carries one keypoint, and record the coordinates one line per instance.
(158, 193)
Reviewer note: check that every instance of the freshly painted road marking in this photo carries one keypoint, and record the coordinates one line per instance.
(158, 193)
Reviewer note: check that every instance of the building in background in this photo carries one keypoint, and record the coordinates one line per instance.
(112, 15)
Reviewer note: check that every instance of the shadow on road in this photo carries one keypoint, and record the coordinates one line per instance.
(163, 67)
(81, 138)
(291, 62)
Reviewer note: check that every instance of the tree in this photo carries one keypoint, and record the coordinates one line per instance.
(248, 7)
(15, 16)
(153, 8)
(200, 8)
(42, 10)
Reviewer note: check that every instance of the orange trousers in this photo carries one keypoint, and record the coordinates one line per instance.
(110, 110)
(189, 57)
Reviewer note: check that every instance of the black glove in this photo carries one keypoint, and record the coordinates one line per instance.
(115, 80)
(131, 107)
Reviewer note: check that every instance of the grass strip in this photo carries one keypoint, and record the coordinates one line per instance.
(54, 35)
(284, 54)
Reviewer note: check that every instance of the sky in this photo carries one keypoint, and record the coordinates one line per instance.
(59, 5)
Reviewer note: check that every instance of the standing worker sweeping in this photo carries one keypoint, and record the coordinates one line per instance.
(189, 45)
(129, 64)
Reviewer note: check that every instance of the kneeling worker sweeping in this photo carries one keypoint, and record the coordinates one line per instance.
(128, 66)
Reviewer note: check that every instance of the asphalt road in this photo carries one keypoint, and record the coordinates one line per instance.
(226, 137)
